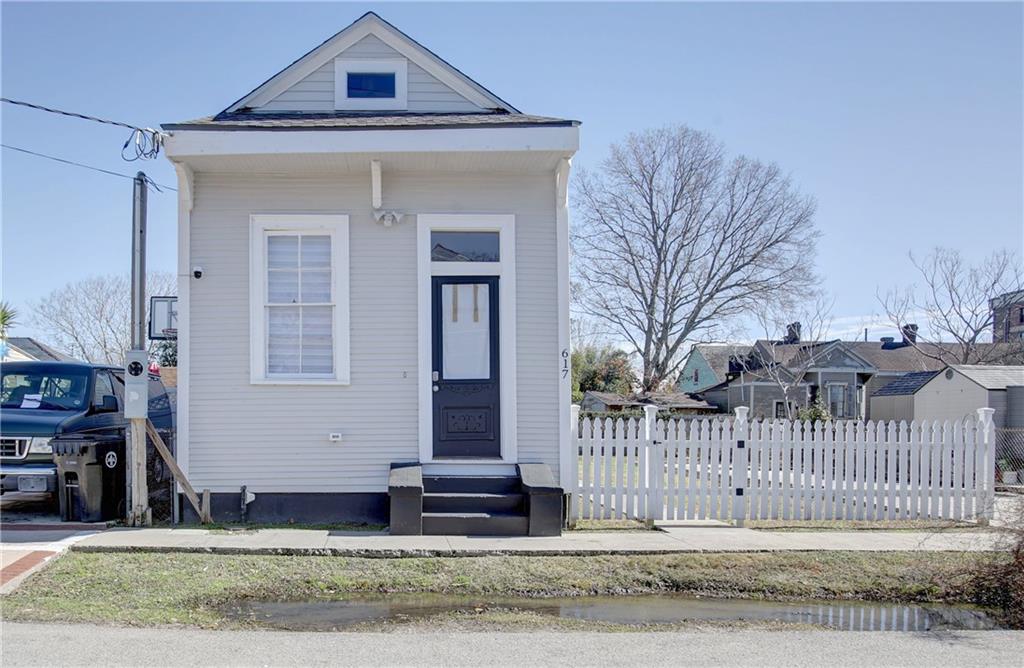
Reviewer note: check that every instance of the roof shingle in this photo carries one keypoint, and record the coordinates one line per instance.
(364, 121)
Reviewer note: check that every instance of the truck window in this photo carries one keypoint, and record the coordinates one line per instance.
(45, 390)
(103, 388)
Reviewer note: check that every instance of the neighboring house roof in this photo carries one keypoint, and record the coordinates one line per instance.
(717, 355)
(351, 120)
(37, 350)
(670, 400)
(611, 398)
(1007, 298)
(899, 357)
(906, 385)
(992, 377)
(878, 356)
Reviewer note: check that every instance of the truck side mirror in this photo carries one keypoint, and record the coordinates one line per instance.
(108, 405)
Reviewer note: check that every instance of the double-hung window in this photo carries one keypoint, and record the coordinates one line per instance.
(299, 298)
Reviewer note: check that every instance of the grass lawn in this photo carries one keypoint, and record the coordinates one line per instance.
(190, 589)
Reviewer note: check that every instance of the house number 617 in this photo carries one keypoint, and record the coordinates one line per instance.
(565, 362)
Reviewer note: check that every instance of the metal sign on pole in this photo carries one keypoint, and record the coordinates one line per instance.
(136, 407)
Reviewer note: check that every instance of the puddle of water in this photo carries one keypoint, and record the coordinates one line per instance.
(632, 610)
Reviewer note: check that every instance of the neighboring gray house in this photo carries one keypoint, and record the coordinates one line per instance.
(383, 245)
(845, 374)
(1008, 317)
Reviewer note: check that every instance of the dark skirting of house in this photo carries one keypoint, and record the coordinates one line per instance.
(309, 508)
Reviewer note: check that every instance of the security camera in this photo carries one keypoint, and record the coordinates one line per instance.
(197, 272)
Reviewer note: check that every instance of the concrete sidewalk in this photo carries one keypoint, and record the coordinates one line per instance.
(672, 538)
(25, 549)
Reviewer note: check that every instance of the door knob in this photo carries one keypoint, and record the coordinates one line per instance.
(436, 388)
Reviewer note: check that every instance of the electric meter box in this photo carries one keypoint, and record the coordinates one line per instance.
(136, 384)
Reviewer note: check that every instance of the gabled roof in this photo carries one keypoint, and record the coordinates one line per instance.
(905, 385)
(992, 377)
(717, 355)
(372, 24)
(37, 350)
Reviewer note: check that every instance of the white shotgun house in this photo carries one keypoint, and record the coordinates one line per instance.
(373, 286)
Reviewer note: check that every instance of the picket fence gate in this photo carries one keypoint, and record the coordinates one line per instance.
(740, 469)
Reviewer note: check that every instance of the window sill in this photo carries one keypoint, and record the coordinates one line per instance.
(299, 381)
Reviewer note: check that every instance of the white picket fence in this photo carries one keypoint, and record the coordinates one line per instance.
(735, 469)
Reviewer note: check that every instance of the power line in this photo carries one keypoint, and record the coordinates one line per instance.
(147, 140)
(157, 186)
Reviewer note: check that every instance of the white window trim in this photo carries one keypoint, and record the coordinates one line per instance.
(505, 269)
(336, 225)
(398, 66)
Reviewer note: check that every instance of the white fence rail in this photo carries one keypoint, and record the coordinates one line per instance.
(735, 469)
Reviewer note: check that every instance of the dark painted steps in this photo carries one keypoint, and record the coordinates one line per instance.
(475, 524)
(481, 484)
(529, 503)
(474, 505)
(471, 502)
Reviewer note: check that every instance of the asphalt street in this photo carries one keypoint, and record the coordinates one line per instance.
(83, 645)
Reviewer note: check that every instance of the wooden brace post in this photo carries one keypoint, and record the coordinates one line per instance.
(203, 510)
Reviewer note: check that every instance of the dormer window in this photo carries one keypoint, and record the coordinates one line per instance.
(371, 85)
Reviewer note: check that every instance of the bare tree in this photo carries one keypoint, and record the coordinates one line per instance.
(672, 240)
(785, 359)
(91, 318)
(954, 298)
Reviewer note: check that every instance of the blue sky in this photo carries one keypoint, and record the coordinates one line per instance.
(904, 121)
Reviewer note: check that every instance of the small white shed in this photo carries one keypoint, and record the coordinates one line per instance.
(959, 390)
(373, 271)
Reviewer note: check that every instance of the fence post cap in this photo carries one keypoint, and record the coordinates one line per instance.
(741, 413)
(985, 415)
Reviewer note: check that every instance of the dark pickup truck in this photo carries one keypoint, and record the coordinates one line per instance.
(41, 400)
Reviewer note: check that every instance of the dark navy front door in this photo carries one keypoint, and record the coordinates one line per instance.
(465, 366)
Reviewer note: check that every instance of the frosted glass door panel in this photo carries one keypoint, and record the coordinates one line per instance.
(465, 331)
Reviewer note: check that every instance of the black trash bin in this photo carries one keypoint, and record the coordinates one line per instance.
(90, 477)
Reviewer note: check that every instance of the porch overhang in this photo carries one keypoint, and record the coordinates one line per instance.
(181, 145)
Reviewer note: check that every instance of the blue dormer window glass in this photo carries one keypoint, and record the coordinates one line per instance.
(371, 84)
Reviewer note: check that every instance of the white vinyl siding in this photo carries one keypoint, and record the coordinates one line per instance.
(274, 438)
(299, 298)
(316, 92)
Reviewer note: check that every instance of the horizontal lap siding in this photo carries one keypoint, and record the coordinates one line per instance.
(274, 438)
(316, 91)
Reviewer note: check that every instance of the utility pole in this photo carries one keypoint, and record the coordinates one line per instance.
(137, 367)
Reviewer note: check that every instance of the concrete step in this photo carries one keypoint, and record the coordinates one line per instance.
(474, 524)
(471, 502)
(482, 484)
